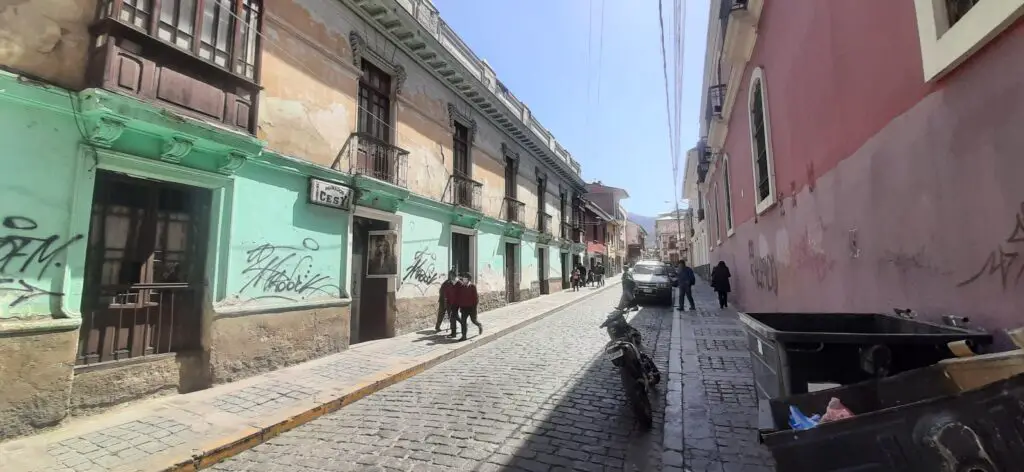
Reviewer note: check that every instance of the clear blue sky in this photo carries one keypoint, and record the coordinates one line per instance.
(539, 50)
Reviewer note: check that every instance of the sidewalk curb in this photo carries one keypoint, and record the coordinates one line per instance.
(234, 447)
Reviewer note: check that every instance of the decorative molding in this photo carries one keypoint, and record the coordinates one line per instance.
(231, 161)
(176, 147)
(107, 130)
(400, 76)
(361, 51)
(457, 116)
(541, 175)
(509, 152)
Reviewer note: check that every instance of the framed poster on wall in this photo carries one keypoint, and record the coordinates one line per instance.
(382, 254)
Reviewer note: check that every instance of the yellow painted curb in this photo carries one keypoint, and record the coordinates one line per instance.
(235, 446)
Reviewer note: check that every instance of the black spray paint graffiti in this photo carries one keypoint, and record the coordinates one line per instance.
(763, 270)
(24, 254)
(1002, 260)
(423, 270)
(286, 273)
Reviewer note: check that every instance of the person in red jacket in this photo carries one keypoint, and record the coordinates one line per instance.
(468, 299)
(450, 291)
(444, 306)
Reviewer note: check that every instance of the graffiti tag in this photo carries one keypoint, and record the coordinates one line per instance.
(286, 272)
(1001, 260)
(24, 254)
(763, 270)
(423, 269)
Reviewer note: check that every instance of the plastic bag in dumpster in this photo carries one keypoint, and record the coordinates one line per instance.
(836, 411)
(961, 415)
(799, 421)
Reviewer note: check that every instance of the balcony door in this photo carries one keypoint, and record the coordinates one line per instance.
(461, 166)
(374, 157)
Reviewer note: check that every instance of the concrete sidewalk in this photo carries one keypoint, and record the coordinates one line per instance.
(192, 431)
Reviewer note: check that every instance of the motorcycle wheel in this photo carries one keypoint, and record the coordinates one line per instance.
(637, 398)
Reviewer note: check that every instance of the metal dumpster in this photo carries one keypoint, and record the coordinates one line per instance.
(790, 350)
(961, 415)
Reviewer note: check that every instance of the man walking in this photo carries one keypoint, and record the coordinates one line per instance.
(686, 280)
(445, 303)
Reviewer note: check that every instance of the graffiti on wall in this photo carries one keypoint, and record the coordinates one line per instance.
(423, 271)
(763, 270)
(286, 273)
(27, 253)
(1002, 260)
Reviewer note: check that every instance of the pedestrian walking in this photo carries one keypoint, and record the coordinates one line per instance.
(600, 275)
(584, 273)
(468, 299)
(720, 282)
(444, 304)
(686, 280)
(452, 293)
(575, 280)
(628, 299)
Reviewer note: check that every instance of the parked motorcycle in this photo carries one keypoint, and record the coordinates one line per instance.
(636, 369)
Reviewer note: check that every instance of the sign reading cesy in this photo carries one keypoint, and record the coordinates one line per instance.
(330, 194)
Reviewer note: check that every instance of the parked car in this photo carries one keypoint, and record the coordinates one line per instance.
(653, 282)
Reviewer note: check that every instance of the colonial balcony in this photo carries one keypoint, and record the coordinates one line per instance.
(380, 160)
(703, 160)
(700, 214)
(544, 223)
(515, 211)
(566, 231)
(466, 192)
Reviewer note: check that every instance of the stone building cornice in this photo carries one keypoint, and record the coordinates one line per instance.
(416, 27)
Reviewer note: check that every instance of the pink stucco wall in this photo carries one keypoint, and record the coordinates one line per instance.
(893, 193)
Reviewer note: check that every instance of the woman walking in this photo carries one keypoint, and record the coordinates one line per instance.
(720, 282)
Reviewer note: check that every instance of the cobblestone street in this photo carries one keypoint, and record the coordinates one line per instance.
(539, 399)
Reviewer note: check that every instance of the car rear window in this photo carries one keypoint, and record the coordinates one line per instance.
(650, 269)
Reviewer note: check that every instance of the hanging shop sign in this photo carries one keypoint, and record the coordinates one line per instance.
(330, 194)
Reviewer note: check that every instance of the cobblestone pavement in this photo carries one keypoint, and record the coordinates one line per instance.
(718, 399)
(540, 399)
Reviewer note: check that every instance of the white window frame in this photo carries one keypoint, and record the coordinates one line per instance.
(757, 77)
(727, 184)
(718, 216)
(944, 47)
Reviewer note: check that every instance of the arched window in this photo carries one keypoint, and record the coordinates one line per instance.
(761, 142)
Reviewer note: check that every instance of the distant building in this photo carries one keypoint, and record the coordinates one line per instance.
(636, 242)
(670, 231)
(609, 199)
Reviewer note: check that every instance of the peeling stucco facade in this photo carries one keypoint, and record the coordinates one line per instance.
(64, 130)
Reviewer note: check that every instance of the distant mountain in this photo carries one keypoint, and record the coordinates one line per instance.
(647, 222)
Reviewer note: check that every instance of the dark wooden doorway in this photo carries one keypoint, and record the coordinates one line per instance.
(461, 253)
(511, 273)
(144, 269)
(370, 311)
(566, 270)
(542, 270)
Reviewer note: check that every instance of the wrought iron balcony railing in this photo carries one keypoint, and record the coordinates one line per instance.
(466, 192)
(543, 222)
(515, 211)
(380, 160)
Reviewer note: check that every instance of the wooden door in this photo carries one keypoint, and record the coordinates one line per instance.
(511, 273)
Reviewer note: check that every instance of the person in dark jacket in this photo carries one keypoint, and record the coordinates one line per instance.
(444, 305)
(628, 299)
(720, 282)
(468, 299)
(686, 280)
